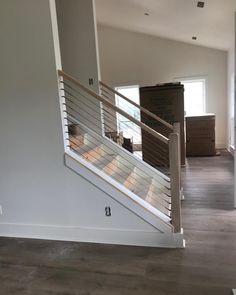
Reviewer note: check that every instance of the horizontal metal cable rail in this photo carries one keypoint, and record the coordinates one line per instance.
(109, 120)
(109, 90)
(73, 114)
(115, 108)
(146, 117)
(93, 116)
(122, 175)
(158, 154)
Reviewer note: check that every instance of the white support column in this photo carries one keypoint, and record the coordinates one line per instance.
(235, 107)
(174, 155)
(176, 129)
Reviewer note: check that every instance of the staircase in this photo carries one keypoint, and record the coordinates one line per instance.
(153, 193)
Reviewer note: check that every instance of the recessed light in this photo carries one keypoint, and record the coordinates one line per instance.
(146, 13)
(194, 38)
(200, 4)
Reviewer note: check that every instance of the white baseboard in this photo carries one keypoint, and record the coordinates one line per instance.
(93, 235)
(231, 149)
(221, 146)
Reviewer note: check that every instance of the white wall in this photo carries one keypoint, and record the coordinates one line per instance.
(77, 31)
(231, 78)
(234, 103)
(39, 196)
(128, 58)
(79, 52)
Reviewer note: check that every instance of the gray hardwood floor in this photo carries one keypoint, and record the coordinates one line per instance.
(206, 266)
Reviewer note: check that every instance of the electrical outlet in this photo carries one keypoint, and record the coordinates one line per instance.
(108, 211)
(90, 81)
(1, 210)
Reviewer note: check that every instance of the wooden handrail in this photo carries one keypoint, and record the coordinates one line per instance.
(115, 108)
(138, 106)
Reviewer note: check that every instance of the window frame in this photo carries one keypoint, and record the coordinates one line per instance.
(203, 79)
(117, 88)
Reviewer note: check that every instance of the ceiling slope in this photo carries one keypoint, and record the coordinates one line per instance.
(179, 20)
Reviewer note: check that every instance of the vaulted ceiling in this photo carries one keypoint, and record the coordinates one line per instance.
(179, 20)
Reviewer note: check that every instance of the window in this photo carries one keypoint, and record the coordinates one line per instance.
(194, 96)
(129, 129)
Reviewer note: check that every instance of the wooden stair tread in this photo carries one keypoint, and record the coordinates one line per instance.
(104, 161)
(159, 206)
(137, 185)
(158, 188)
(76, 141)
(122, 173)
(90, 152)
(111, 167)
(159, 198)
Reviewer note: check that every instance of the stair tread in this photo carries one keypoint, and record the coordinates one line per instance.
(88, 147)
(144, 190)
(159, 206)
(158, 189)
(91, 152)
(103, 162)
(158, 179)
(137, 185)
(121, 176)
(160, 198)
(76, 141)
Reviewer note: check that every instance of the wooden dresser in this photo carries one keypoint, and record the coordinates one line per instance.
(167, 102)
(200, 135)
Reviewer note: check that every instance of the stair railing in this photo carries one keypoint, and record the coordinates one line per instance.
(109, 93)
(81, 104)
(143, 115)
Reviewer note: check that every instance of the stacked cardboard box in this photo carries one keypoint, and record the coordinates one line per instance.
(200, 135)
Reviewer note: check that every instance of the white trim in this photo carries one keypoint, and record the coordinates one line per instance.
(96, 41)
(221, 146)
(54, 24)
(92, 235)
(64, 120)
(231, 149)
(56, 43)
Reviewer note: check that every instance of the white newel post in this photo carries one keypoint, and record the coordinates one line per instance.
(176, 129)
(174, 155)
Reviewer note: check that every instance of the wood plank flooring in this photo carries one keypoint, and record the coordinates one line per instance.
(206, 267)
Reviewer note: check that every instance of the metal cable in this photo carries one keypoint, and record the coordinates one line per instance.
(160, 154)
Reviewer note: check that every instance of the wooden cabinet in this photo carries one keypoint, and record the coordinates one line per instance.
(167, 102)
(200, 135)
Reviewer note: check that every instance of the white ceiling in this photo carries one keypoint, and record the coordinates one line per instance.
(173, 19)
